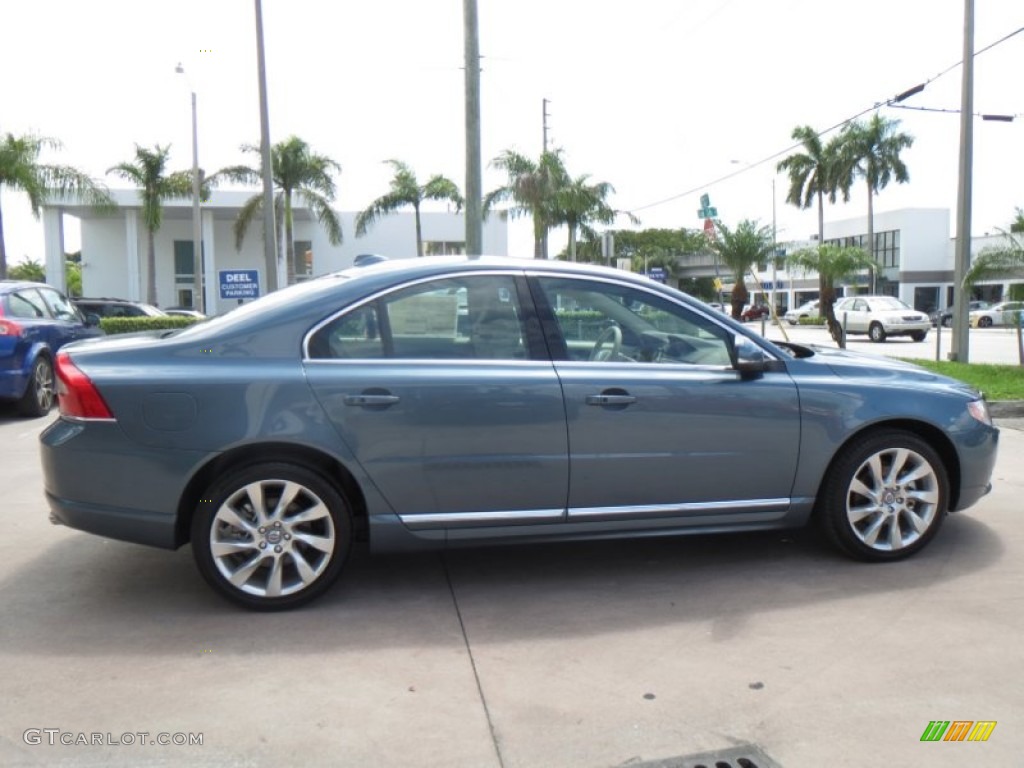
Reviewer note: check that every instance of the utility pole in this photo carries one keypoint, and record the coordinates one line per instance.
(960, 346)
(269, 238)
(544, 122)
(474, 183)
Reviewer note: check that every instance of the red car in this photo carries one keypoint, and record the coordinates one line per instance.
(755, 312)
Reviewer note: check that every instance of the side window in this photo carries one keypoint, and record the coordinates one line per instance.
(472, 317)
(61, 308)
(27, 304)
(609, 322)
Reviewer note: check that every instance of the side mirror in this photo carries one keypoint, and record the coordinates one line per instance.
(92, 320)
(748, 358)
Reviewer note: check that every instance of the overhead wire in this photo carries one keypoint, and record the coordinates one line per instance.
(891, 102)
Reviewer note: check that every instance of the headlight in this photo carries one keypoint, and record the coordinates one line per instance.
(979, 410)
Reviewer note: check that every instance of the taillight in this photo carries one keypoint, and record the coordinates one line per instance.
(8, 327)
(76, 394)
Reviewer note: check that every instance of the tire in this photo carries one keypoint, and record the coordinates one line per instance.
(865, 509)
(876, 333)
(947, 322)
(39, 394)
(919, 335)
(984, 322)
(268, 559)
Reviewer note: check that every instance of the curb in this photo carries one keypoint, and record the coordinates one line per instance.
(1006, 409)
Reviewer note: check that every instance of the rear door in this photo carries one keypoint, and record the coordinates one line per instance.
(443, 392)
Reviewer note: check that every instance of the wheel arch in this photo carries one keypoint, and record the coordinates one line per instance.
(332, 470)
(934, 436)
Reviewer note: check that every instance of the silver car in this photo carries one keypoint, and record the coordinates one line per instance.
(441, 402)
(881, 317)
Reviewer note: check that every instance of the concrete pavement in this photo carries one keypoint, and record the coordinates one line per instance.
(584, 655)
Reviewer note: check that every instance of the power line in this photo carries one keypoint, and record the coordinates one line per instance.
(892, 102)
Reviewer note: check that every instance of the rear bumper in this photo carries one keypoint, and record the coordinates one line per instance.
(148, 528)
(99, 481)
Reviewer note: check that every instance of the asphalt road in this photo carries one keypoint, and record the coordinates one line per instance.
(985, 345)
(590, 654)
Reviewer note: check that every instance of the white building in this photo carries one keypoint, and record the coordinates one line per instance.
(915, 254)
(114, 246)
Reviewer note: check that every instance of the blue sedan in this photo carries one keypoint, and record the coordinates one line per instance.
(36, 320)
(440, 402)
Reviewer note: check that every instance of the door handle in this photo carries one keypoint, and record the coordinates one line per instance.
(604, 399)
(371, 399)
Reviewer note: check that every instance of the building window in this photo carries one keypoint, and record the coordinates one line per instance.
(886, 251)
(444, 247)
(303, 263)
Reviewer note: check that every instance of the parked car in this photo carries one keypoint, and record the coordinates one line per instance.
(184, 312)
(808, 309)
(755, 312)
(881, 317)
(352, 406)
(36, 320)
(117, 308)
(1003, 313)
(945, 316)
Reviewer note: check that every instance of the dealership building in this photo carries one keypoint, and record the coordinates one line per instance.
(913, 247)
(114, 247)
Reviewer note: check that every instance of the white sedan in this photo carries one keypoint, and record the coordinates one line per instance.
(881, 317)
(1004, 313)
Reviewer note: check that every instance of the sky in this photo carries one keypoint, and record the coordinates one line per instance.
(661, 98)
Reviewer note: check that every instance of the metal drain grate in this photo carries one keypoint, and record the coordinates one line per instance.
(743, 756)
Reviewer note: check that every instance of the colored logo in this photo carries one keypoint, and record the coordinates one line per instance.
(958, 730)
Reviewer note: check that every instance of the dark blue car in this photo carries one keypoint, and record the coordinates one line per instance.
(35, 321)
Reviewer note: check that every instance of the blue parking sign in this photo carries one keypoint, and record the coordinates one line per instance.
(239, 283)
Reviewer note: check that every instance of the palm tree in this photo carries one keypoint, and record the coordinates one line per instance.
(833, 263)
(21, 171)
(812, 173)
(149, 173)
(406, 190)
(740, 249)
(872, 151)
(578, 204)
(296, 170)
(530, 188)
(1003, 260)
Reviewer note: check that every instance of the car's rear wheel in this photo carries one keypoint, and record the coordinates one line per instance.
(38, 397)
(271, 536)
(876, 333)
(885, 497)
(984, 322)
(947, 321)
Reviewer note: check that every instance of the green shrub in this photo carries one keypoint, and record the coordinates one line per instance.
(812, 321)
(114, 325)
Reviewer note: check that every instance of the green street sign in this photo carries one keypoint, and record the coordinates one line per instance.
(707, 212)
(705, 200)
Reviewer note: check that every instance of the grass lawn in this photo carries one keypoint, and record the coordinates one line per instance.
(998, 382)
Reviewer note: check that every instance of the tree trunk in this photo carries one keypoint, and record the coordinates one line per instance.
(871, 234)
(289, 238)
(151, 266)
(3, 250)
(419, 231)
(572, 242)
(538, 238)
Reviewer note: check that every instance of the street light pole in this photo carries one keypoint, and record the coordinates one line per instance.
(198, 300)
(269, 237)
(960, 343)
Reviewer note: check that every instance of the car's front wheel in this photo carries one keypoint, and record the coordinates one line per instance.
(271, 536)
(876, 333)
(885, 496)
(919, 335)
(38, 397)
(984, 322)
